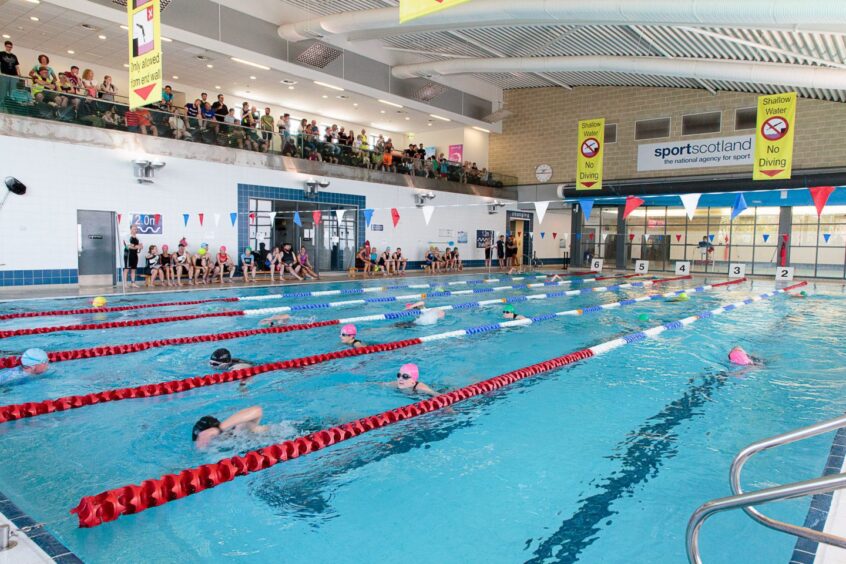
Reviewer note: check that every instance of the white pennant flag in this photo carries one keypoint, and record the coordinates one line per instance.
(427, 213)
(340, 215)
(532, 236)
(540, 207)
(272, 216)
(690, 201)
(604, 236)
(646, 237)
(216, 219)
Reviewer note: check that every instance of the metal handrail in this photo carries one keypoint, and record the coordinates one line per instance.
(786, 438)
(787, 491)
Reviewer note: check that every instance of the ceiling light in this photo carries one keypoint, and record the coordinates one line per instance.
(381, 111)
(216, 87)
(6, 36)
(407, 118)
(71, 52)
(33, 18)
(210, 66)
(325, 96)
(243, 62)
(34, 1)
(175, 77)
(429, 124)
(123, 27)
(290, 88)
(439, 117)
(481, 129)
(390, 103)
(102, 36)
(125, 65)
(252, 78)
(166, 39)
(355, 104)
(332, 86)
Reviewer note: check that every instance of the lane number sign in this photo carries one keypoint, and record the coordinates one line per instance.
(737, 270)
(642, 266)
(596, 265)
(682, 268)
(784, 273)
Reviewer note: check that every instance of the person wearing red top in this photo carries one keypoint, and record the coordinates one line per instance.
(224, 264)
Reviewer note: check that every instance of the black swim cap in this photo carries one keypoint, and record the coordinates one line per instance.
(221, 356)
(207, 422)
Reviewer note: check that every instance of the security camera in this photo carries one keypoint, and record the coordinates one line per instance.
(324, 183)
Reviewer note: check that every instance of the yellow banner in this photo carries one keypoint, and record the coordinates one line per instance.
(145, 52)
(591, 146)
(410, 9)
(774, 137)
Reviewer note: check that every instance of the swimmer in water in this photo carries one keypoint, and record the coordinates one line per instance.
(740, 357)
(408, 381)
(555, 278)
(683, 297)
(222, 359)
(348, 336)
(428, 316)
(802, 294)
(509, 313)
(209, 427)
(275, 320)
(34, 362)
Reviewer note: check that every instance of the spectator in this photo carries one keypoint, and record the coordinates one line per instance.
(380, 144)
(43, 61)
(267, 127)
(177, 124)
(75, 80)
(192, 111)
(221, 110)
(110, 118)
(44, 83)
(9, 66)
(63, 84)
(204, 97)
(167, 99)
(248, 123)
(387, 161)
(208, 115)
(284, 128)
(107, 89)
(42, 108)
(88, 84)
(235, 133)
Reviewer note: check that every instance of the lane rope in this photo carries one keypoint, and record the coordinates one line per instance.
(111, 350)
(109, 505)
(26, 410)
(82, 311)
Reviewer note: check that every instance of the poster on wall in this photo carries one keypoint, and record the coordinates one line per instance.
(431, 151)
(720, 151)
(456, 153)
(148, 223)
(589, 156)
(462, 237)
(774, 137)
(483, 236)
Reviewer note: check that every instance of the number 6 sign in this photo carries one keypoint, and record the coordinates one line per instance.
(784, 273)
(596, 265)
(642, 266)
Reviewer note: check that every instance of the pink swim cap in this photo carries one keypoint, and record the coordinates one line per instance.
(349, 330)
(411, 370)
(739, 356)
(165, 248)
(222, 249)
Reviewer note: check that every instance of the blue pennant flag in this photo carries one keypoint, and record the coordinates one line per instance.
(368, 215)
(826, 236)
(711, 238)
(233, 217)
(766, 236)
(578, 236)
(543, 234)
(297, 219)
(185, 217)
(739, 206)
(587, 207)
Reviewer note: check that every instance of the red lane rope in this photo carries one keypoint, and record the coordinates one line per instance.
(34, 409)
(109, 350)
(116, 324)
(108, 309)
(111, 504)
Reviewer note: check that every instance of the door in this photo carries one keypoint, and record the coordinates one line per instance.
(96, 247)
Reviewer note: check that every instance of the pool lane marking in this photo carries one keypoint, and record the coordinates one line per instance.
(268, 311)
(110, 350)
(109, 505)
(33, 409)
(370, 289)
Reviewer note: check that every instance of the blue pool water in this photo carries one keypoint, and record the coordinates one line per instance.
(602, 461)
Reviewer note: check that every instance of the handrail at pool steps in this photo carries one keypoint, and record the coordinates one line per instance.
(748, 500)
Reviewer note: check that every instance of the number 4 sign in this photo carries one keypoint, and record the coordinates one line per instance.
(682, 268)
(642, 266)
(737, 270)
(784, 273)
(596, 265)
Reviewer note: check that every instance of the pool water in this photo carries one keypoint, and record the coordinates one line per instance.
(601, 461)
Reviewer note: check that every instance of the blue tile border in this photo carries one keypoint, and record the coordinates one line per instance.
(805, 551)
(38, 277)
(41, 537)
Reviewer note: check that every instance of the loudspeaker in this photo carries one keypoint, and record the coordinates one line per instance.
(15, 186)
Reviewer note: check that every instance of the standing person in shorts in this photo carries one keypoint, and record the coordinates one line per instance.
(130, 255)
(500, 251)
(488, 252)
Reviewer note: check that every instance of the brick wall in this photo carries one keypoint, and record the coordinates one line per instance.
(543, 129)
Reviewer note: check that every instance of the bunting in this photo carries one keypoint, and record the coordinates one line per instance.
(554, 235)
(541, 207)
(711, 238)
(340, 214)
(216, 219)
(427, 213)
(632, 203)
(690, 202)
(201, 216)
(739, 206)
(233, 217)
(297, 220)
(185, 217)
(316, 215)
(368, 216)
(820, 196)
(587, 207)
(766, 237)
(543, 234)
(395, 216)
(826, 236)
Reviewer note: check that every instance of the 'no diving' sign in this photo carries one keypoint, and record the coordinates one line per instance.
(590, 148)
(775, 128)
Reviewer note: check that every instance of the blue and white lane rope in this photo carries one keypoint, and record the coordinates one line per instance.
(410, 297)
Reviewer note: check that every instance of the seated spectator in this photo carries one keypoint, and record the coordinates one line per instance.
(107, 89)
(235, 133)
(145, 121)
(248, 264)
(89, 87)
(64, 85)
(167, 99)
(362, 260)
(177, 124)
(224, 264)
(43, 61)
(400, 262)
(306, 269)
(43, 109)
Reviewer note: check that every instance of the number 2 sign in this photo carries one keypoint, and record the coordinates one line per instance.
(784, 273)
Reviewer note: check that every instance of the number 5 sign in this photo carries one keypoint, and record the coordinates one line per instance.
(642, 266)
(784, 273)
(596, 265)
(682, 268)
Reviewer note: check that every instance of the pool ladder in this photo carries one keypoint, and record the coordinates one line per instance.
(747, 500)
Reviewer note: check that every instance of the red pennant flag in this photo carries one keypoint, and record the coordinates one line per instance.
(678, 237)
(200, 215)
(784, 237)
(554, 235)
(316, 216)
(820, 195)
(591, 236)
(631, 236)
(632, 203)
(252, 217)
(395, 216)
(119, 216)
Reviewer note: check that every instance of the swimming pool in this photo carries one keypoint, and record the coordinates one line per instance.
(602, 460)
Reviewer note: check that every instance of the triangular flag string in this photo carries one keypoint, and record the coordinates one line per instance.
(395, 216)
(340, 214)
(632, 203)
(587, 207)
(739, 206)
(233, 217)
(820, 196)
(216, 219)
(540, 208)
(690, 201)
(201, 217)
(766, 237)
(427, 213)
(316, 215)
(368, 216)
(185, 217)
(826, 236)
(297, 219)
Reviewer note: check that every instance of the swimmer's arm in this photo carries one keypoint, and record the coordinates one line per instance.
(416, 305)
(359, 345)
(271, 321)
(424, 389)
(249, 418)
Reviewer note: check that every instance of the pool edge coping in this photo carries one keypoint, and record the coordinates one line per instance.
(51, 547)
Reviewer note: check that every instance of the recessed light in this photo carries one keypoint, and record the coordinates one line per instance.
(332, 86)
(34, 1)
(6, 36)
(407, 118)
(123, 27)
(355, 104)
(216, 87)
(439, 117)
(175, 77)
(252, 78)
(249, 63)
(166, 39)
(381, 111)
(210, 66)
(390, 103)
(325, 96)
(290, 88)
(33, 18)
(429, 124)
(481, 129)
(102, 37)
(125, 65)
(287, 81)
(71, 52)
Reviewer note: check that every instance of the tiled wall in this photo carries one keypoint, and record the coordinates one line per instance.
(38, 277)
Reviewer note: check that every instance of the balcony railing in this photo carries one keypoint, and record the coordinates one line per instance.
(27, 99)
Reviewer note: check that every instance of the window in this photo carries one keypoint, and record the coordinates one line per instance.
(709, 122)
(745, 118)
(610, 133)
(652, 129)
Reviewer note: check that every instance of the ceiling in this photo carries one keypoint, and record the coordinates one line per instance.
(670, 41)
(59, 31)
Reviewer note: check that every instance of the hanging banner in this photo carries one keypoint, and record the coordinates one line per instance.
(411, 9)
(589, 163)
(145, 52)
(456, 153)
(774, 137)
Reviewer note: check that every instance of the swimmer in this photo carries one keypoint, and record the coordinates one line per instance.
(275, 320)
(740, 357)
(555, 278)
(428, 316)
(348, 336)
(683, 297)
(208, 427)
(408, 381)
(509, 313)
(802, 294)
(222, 359)
(34, 362)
